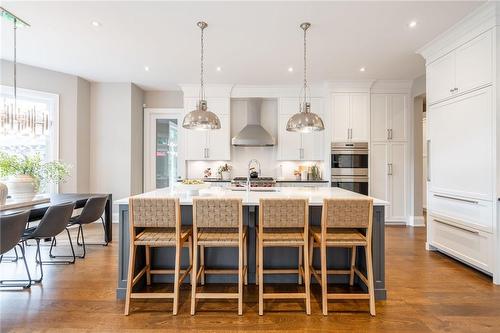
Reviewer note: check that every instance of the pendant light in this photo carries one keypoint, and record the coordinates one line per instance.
(201, 118)
(305, 121)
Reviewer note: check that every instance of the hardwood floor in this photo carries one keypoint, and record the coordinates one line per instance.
(427, 292)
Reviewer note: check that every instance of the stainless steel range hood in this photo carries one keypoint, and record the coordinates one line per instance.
(253, 134)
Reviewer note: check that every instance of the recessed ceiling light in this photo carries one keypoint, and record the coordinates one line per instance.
(290, 69)
(146, 68)
(218, 69)
(362, 69)
(412, 24)
(96, 24)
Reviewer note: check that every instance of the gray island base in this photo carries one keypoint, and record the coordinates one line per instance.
(338, 258)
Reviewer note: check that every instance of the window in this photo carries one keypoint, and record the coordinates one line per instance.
(32, 128)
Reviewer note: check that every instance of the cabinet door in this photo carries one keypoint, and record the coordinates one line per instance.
(474, 63)
(196, 142)
(219, 148)
(289, 106)
(340, 117)
(461, 144)
(441, 78)
(359, 121)
(313, 143)
(219, 105)
(379, 160)
(398, 113)
(397, 182)
(379, 117)
(289, 143)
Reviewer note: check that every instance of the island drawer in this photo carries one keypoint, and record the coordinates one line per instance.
(469, 245)
(474, 213)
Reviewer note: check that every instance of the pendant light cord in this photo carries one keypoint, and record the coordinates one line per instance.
(305, 64)
(15, 65)
(202, 88)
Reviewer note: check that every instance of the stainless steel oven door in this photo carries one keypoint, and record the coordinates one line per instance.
(349, 159)
(358, 184)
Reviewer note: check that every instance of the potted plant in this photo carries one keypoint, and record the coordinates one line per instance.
(26, 175)
(225, 171)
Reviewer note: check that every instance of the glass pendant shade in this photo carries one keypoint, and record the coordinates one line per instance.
(305, 121)
(201, 118)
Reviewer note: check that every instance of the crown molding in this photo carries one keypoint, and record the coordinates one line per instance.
(349, 86)
(479, 21)
(391, 86)
(273, 91)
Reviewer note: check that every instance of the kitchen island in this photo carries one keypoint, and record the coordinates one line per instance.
(274, 257)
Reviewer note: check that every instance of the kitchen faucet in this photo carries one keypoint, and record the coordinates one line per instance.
(248, 174)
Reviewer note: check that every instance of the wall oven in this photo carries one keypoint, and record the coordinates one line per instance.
(349, 163)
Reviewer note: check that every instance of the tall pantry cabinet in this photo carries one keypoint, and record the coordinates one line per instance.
(389, 153)
(462, 141)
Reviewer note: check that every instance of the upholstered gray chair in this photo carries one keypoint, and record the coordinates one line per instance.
(91, 212)
(54, 221)
(11, 231)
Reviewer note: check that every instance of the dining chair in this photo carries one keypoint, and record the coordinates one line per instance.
(283, 223)
(54, 221)
(155, 223)
(11, 231)
(218, 223)
(341, 222)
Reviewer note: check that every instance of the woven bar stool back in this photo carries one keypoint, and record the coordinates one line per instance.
(154, 212)
(348, 213)
(283, 213)
(216, 213)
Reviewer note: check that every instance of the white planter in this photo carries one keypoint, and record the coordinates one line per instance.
(4, 191)
(22, 187)
(225, 175)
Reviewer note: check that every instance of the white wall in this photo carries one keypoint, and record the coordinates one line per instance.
(164, 99)
(73, 115)
(116, 134)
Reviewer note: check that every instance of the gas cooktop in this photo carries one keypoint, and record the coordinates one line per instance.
(254, 182)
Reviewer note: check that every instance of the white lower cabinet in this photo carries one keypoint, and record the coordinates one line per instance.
(467, 244)
(388, 178)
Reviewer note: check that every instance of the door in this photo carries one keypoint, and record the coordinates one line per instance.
(474, 63)
(397, 118)
(379, 117)
(340, 117)
(161, 147)
(441, 78)
(360, 117)
(218, 148)
(397, 182)
(289, 143)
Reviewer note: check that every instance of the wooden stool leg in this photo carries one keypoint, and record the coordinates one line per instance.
(202, 264)
(307, 276)
(240, 277)
(300, 264)
(245, 260)
(190, 251)
(353, 265)
(369, 272)
(256, 259)
(324, 278)
(130, 277)
(148, 265)
(177, 268)
(261, 278)
(193, 275)
(311, 251)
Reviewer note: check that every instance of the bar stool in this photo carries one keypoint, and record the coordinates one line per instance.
(341, 220)
(283, 223)
(160, 219)
(218, 223)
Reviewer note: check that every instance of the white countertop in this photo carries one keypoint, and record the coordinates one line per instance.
(314, 194)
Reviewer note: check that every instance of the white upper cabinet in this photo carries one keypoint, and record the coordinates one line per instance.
(209, 144)
(389, 117)
(295, 146)
(350, 117)
(466, 68)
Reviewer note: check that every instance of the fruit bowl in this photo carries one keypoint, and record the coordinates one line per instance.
(192, 186)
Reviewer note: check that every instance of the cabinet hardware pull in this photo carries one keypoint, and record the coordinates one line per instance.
(388, 137)
(428, 160)
(390, 132)
(456, 89)
(452, 90)
(389, 169)
(457, 199)
(457, 227)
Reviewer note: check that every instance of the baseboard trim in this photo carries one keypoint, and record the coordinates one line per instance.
(416, 221)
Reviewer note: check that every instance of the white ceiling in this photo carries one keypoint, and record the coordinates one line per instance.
(253, 42)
